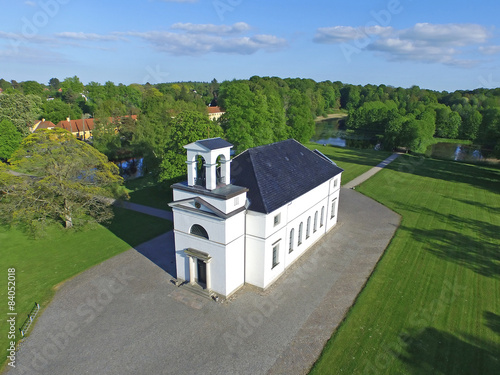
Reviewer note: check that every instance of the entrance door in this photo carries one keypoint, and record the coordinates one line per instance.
(202, 272)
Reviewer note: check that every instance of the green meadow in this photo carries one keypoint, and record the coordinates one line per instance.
(432, 305)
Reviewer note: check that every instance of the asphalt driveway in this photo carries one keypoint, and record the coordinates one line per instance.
(125, 316)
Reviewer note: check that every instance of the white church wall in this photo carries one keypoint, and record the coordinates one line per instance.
(262, 232)
(219, 230)
(235, 258)
(214, 250)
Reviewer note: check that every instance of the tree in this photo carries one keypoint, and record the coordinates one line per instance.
(73, 84)
(187, 127)
(10, 138)
(54, 84)
(66, 181)
(56, 110)
(21, 110)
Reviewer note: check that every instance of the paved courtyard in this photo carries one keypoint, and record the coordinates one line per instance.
(125, 316)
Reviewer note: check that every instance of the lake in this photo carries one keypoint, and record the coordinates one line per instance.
(454, 151)
(330, 132)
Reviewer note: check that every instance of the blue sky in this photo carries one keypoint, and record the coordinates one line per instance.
(440, 45)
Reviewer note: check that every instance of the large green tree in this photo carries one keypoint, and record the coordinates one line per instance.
(10, 138)
(22, 110)
(187, 127)
(64, 180)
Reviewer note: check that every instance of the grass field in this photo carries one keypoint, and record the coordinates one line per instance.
(354, 161)
(147, 191)
(44, 263)
(432, 305)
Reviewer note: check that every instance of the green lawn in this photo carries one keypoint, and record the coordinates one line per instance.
(147, 191)
(432, 305)
(44, 263)
(354, 161)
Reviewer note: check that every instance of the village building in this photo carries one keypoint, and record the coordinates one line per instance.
(246, 220)
(215, 113)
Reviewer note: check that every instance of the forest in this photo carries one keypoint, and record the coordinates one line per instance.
(258, 111)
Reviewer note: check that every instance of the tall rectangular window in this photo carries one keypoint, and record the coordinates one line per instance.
(276, 248)
(334, 207)
(308, 229)
(335, 183)
(322, 216)
(290, 249)
(299, 241)
(315, 228)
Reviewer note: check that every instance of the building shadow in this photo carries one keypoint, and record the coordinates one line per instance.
(431, 351)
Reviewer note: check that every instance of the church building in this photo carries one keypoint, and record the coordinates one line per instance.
(246, 220)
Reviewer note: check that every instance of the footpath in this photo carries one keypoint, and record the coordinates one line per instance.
(365, 176)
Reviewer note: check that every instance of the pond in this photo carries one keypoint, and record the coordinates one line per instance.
(330, 132)
(454, 151)
(131, 168)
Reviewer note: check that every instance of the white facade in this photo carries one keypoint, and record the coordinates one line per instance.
(221, 245)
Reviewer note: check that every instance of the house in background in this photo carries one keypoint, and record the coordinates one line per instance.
(42, 124)
(214, 113)
(246, 220)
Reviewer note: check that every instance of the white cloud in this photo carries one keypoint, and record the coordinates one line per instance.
(237, 28)
(489, 50)
(30, 3)
(196, 44)
(424, 42)
(444, 35)
(87, 36)
(342, 34)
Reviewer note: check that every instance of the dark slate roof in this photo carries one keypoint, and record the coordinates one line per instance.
(278, 173)
(214, 143)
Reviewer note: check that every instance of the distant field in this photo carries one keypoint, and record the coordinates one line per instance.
(44, 263)
(354, 161)
(432, 305)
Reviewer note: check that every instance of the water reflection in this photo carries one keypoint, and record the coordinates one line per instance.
(131, 168)
(330, 132)
(454, 151)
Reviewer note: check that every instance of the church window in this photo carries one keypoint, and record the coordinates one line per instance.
(277, 219)
(308, 229)
(291, 240)
(276, 248)
(322, 216)
(315, 228)
(300, 234)
(199, 231)
(334, 206)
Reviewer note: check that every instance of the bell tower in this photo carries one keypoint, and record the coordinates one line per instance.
(214, 168)
(209, 220)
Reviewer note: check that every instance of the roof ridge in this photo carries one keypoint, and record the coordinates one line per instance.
(257, 180)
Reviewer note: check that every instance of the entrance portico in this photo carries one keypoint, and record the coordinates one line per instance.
(199, 268)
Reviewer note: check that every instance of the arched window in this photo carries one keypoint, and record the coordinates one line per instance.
(322, 216)
(315, 228)
(290, 249)
(199, 231)
(300, 234)
(308, 230)
(200, 171)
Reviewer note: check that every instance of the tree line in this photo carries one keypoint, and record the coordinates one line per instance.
(258, 111)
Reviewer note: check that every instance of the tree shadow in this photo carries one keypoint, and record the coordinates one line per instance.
(479, 255)
(361, 156)
(484, 177)
(492, 321)
(471, 243)
(431, 351)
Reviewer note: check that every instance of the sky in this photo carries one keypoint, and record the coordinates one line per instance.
(439, 44)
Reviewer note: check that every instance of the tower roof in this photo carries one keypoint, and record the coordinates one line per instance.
(278, 173)
(213, 143)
